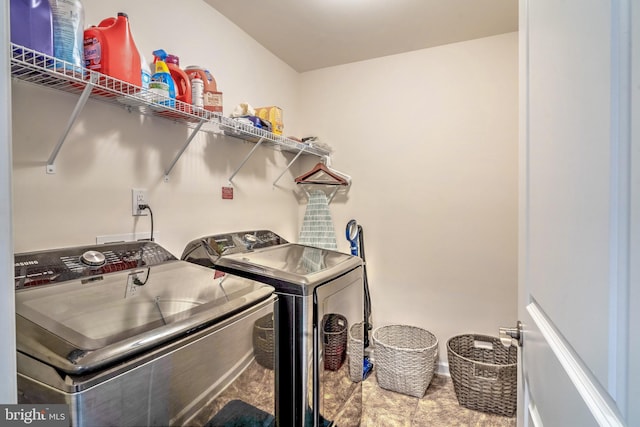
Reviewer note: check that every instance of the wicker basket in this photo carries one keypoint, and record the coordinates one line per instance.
(263, 341)
(484, 373)
(405, 358)
(355, 349)
(334, 328)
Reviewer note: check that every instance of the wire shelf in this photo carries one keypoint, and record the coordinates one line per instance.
(43, 70)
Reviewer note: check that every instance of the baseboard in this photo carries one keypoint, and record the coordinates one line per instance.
(442, 368)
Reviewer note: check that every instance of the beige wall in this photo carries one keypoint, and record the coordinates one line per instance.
(430, 139)
(110, 151)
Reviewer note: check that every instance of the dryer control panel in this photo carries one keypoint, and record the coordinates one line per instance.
(59, 265)
(206, 250)
(245, 241)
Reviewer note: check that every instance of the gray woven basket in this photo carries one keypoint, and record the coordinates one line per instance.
(263, 347)
(484, 373)
(355, 350)
(405, 358)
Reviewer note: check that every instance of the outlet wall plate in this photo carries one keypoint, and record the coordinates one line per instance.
(139, 197)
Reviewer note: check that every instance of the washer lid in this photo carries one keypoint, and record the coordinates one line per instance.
(291, 267)
(79, 325)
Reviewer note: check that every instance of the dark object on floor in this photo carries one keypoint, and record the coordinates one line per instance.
(240, 414)
(309, 419)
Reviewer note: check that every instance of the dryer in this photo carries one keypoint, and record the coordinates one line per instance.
(318, 364)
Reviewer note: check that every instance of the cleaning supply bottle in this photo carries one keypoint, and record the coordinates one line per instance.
(68, 31)
(212, 98)
(145, 72)
(109, 49)
(197, 91)
(180, 78)
(162, 85)
(32, 25)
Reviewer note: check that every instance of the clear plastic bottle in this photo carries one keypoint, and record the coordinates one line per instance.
(68, 31)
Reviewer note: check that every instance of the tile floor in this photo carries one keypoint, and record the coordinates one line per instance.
(380, 408)
(437, 408)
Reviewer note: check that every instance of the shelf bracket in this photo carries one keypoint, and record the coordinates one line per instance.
(245, 159)
(51, 168)
(289, 165)
(175, 160)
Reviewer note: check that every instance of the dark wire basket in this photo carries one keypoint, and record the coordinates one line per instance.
(334, 331)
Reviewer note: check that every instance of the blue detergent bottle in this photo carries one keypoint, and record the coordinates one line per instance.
(162, 83)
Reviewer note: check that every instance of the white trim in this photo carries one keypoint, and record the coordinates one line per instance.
(8, 389)
(620, 190)
(523, 194)
(595, 397)
(534, 415)
(442, 368)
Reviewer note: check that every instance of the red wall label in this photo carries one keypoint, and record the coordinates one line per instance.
(227, 193)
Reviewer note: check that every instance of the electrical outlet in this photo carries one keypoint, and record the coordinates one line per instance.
(138, 197)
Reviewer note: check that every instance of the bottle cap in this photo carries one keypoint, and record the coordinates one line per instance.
(172, 59)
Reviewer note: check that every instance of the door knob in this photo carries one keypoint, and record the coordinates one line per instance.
(509, 334)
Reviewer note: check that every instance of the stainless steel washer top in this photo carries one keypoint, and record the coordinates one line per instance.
(78, 315)
(263, 255)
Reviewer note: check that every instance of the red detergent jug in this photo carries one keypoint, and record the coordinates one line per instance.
(181, 79)
(110, 49)
(212, 98)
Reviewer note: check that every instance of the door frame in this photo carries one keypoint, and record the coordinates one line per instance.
(8, 389)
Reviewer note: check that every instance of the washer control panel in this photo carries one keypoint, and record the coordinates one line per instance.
(59, 265)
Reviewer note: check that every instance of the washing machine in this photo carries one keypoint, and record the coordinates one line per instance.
(318, 344)
(126, 334)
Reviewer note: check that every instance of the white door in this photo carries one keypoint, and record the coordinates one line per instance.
(579, 217)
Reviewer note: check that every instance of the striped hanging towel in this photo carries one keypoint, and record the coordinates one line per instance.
(317, 225)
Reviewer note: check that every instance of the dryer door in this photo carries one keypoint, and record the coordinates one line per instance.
(338, 349)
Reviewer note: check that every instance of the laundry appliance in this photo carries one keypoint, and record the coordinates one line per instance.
(128, 335)
(319, 301)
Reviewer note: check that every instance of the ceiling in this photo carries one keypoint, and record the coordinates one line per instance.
(312, 34)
